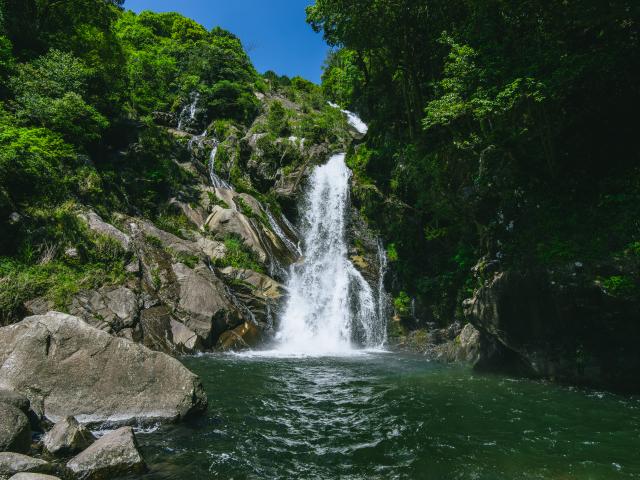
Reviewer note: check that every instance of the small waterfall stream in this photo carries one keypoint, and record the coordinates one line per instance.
(331, 309)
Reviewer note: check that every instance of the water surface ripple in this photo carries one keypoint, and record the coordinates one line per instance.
(389, 416)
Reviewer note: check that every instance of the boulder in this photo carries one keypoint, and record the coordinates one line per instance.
(15, 431)
(33, 476)
(16, 399)
(66, 437)
(205, 307)
(12, 463)
(185, 340)
(110, 308)
(242, 337)
(225, 221)
(68, 368)
(113, 455)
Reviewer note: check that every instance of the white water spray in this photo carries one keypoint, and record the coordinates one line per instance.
(188, 114)
(331, 309)
(215, 179)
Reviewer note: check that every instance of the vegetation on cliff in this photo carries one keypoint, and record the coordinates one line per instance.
(501, 131)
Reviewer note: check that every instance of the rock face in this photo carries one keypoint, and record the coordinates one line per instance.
(16, 399)
(66, 437)
(98, 225)
(110, 308)
(15, 432)
(12, 463)
(563, 328)
(113, 455)
(67, 367)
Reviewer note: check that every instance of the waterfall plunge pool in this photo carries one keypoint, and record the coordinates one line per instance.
(391, 416)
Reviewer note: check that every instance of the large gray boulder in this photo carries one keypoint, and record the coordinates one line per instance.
(204, 304)
(68, 368)
(111, 456)
(12, 463)
(67, 436)
(33, 476)
(15, 432)
(16, 399)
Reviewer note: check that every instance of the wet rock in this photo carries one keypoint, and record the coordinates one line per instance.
(67, 437)
(68, 368)
(15, 431)
(12, 463)
(242, 337)
(115, 454)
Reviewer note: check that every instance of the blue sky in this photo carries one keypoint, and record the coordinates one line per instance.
(274, 32)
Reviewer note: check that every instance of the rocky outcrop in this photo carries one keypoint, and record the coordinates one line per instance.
(15, 431)
(558, 325)
(115, 454)
(12, 463)
(98, 225)
(68, 368)
(67, 437)
(109, 308)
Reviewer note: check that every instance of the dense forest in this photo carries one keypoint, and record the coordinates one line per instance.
(501, 133)
(87, 91)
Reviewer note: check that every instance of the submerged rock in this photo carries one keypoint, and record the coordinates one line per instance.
(67, 436)
(68, 368)
(15, 432)
(113, 455)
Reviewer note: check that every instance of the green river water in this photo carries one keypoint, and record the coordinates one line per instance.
(391, 416)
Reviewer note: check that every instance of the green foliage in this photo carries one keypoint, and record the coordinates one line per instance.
(277, 120)
(499, 129)
(49, 93)
(238, 255)
(41, 268)
(173, 222)
(620, 286)
(402, 304)
(188, 259)
(392, 252)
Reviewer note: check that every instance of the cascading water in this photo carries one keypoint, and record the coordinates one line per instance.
(330, 307)
(216, 181)
(188, 114)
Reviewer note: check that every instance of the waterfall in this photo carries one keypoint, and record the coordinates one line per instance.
(188, 113)
(352, 119)
(330, 307)
(216, 181)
